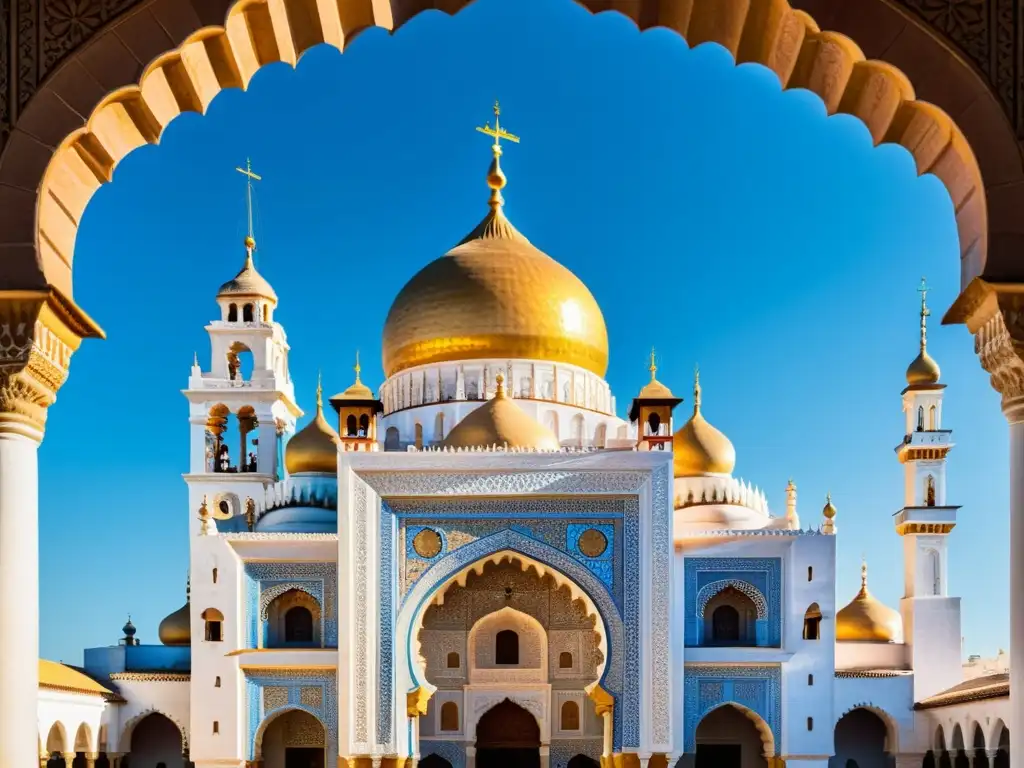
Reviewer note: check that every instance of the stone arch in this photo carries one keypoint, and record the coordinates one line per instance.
(994, 734)
(125, 741)
(957, 742)
(892, 731)
(939, 741)
(708, 591)
(274, 714)
(772, 33)
(269, 595)
(57, 738)
(528, 629)
(763, 729)
(496, 712)
(83, 739)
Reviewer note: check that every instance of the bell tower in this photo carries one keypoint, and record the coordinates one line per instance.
(357, 409)
(651, 411)
(931, 618)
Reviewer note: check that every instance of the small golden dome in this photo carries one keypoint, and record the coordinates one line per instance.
(868, 619)
(495, 295)
(249, 282)
(176, 629)
(829, 510)
(924, 370)
(357, 390)
(314, 448)
(501, 422)
(698, 448)
(654, 389)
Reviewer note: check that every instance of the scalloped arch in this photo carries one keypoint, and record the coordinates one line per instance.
(892, 730)
(260, 32)
(129, 727)
(270, 717)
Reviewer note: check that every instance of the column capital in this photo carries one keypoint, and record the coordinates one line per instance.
(996, 318)
(39, 331)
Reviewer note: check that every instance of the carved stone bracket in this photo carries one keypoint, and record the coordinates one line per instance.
(996, 318)
(38, 335)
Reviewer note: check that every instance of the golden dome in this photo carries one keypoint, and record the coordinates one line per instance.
(314, 448)
(829, 510)
(654, 389)
(698, 448)
(868, 619)
(501, 422)
(176, 629)
(249, 282)
(357, 390)
(924, 370)
(495, 295)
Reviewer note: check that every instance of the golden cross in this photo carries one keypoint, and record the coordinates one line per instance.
(925, 312)
(497, 132)
(249, 177)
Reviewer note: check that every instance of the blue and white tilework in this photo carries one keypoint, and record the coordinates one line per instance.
(602, 565)
(758, 689)
(294, 680)
(759, 578)
(265, 581)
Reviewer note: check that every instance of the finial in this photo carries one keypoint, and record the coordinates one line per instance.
(250, 240)
(319, 391)
(204, 519)
(499, 393)
(654, 365)
(495, 177)
(696, 389)
(923, 290)
(357, 367)
(863, 572)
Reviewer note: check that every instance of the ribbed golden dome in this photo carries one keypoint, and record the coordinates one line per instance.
(924, 370)
(176, 629)
(866, 618)
(357, 390)
(501, 422)
(495, 295)
(314, 448)
(698, 448)
(248, 282)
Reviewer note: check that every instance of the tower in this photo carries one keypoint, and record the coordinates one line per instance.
(651, 410)
(357, 409)
(243, 403)
(931, 619)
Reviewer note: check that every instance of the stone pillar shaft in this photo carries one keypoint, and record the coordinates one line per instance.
(1015, 415)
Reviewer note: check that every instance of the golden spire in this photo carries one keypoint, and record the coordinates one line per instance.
(495, 177)
(863, 575)
(250, 241)
(319, 391)
(923, 290)
(499, 392)
(357, 368)
(653, 368)
(696, 389)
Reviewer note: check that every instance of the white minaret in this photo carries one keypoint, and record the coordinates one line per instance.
(931, 619)
(243, 404)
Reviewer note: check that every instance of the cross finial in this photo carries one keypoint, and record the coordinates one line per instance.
(495, 176)
(923, 290)
(250, 241)
(357, 368)
(654, 365)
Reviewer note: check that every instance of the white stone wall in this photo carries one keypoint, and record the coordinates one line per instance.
(79, 721)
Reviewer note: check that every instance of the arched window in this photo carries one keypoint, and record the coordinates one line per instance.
(247, 314)
(812, 622)
(266, 312)
(929, 491)
(439, 427)
(298, 625)
(452, 662)
(214, 575)
(233, 313)
(570, 716)
(449, 716)
(364, 426)
(725, 624)
(920, 418)
(810, 679)
(506, 647)
(216, 682)
(565, 660)
(419, 435)
(933, 570)
(810, 572)
(577, 430)
(214, 620)
(351, 425)
(653, 424)
(933, 424)
(601, 435)
(392, 440)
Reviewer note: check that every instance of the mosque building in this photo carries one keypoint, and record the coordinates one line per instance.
(480, 564)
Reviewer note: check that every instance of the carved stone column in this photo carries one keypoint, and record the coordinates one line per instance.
(91, 758)
(470, 757)
(995, 316)
(38, 332)
(69, 758)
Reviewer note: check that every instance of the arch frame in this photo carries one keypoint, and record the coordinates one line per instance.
(479, 674)
(709, 688)
(125, 739)
(479, 703)
(768, 739)
(709, 591)
(892, 728)
(256, 747)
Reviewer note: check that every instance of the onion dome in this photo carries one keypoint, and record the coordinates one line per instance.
(176, 629)
(357, 390)
(501, 422)
(314, 448)
(868, 619)
(829, 510)
(249, 283)
(923, 370)
(700, 449)
(129, 629)
(495, 295)
(654, 389)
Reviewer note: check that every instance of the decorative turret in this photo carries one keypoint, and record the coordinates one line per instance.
(651, 411)
(699, 448)
(357, 408)
(828, 512)
(129, 633)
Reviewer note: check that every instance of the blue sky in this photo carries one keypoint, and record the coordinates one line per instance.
(712, 216)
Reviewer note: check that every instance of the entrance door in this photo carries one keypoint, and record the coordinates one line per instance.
(719, 756)
(510, 757)
(508, 736)
(303, 757)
